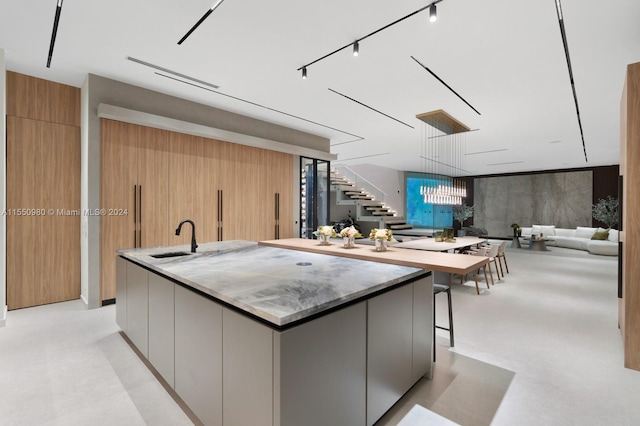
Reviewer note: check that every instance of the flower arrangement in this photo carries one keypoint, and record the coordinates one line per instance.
(326, 231)
(517, 231)
(350, 232)
(381, 234)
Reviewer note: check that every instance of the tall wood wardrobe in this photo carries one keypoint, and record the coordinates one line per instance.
(629, 304)
(152, 179)
(43, 191)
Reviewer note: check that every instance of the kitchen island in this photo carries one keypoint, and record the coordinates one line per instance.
(249, 334)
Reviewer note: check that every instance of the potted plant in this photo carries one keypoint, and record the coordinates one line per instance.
(461, 213)
(606, 211)
(517, 230)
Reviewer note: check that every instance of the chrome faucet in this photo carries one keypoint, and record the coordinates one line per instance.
(193, 233)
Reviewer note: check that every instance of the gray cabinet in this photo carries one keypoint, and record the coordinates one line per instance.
(198, 355)
(121, 293)
(389, 349)
(137, 306)
(247, 353)
(321, 367)
(161, 326)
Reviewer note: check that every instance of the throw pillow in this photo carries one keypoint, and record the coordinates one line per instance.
(613, 235)
(601, 235)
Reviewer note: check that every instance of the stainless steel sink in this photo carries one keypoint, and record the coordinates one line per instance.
(170, 254)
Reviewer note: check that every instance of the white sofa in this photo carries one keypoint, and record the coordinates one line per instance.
(579, 238)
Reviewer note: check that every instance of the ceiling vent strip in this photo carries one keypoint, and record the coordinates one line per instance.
(168, 71)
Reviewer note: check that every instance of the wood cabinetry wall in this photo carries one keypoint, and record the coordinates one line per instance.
(630, 170)
(43, 191)
(163, 177)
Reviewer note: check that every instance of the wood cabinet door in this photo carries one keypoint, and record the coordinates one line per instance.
(192, 190)
(153, 180)
(118, 193)
(43, 212)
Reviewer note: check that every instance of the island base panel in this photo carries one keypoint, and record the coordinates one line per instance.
(247, 378)
(161, 327)
(198, 354)
(389, 349)
(321, 370)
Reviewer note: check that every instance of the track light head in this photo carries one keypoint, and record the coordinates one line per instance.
(356, 49)
(304, 73)
(433, 14)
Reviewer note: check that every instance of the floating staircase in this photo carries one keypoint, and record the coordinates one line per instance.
(367, 208)
(398, 224)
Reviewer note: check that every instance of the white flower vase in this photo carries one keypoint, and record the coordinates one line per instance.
(324, 240)
(349, 242)
(381, 245)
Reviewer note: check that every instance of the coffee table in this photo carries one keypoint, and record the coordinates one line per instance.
(537, 243)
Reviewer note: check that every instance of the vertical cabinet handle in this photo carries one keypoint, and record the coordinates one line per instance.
(220, 216)
(139, 215)
(135, 216)
(277, 216)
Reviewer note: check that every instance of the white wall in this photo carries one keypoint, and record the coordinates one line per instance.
(3, 191)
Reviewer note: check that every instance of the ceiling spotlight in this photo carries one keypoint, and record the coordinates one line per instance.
(356, 49)
(304, 73)
(433, 15)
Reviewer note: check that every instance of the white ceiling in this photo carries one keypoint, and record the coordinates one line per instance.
(505, 57)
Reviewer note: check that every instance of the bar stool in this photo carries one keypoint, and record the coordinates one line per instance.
(439, 288)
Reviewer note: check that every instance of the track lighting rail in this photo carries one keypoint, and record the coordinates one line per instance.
(356, 42)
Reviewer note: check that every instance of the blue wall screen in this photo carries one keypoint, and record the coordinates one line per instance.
(421, 214)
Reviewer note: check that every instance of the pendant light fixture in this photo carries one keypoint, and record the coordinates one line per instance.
(356, 48)
(443, 150)
(304, 73)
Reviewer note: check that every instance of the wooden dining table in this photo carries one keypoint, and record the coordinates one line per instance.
(427, 259)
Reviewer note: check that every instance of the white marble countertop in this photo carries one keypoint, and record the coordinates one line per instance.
(276, 285)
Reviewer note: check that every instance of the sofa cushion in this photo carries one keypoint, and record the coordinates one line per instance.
(606, 248)
(572, 242)
(613, 235)
(543, 229)
(564, 232)
(584, 232)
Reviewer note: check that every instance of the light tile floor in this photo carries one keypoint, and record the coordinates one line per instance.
(541, 347)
